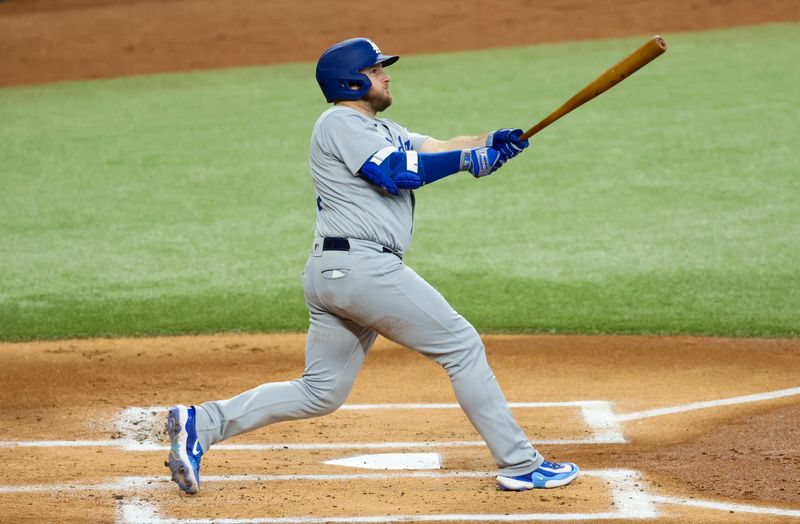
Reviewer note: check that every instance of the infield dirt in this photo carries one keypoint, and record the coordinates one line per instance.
(53, 40)
(73, 390)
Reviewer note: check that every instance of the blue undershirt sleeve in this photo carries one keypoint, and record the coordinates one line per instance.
(435, 166)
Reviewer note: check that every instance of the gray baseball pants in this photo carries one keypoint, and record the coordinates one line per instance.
(353, 296)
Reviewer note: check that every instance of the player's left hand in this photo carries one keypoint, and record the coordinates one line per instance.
(507, 142)
(480, 161)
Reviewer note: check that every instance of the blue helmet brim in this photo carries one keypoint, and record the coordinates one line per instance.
(387, 60)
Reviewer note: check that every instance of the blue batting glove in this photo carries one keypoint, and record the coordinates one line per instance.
(507, 141)
(480, 161)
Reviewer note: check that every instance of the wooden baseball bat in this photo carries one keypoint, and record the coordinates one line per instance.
(616, 74)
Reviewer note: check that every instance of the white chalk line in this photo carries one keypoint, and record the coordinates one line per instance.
(630, 500)
(121, 484)
(125, 484)
(597, 414)
(132, 445)
(565, 404)
(134, 483)
(146, 514)
(140, 512)
(758, 397)
(624, 484)
(724, 506)
(64, 443)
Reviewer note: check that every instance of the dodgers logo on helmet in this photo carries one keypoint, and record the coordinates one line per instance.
(338, 69)
(374, 46)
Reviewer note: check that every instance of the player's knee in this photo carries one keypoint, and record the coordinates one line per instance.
(465, 358)
(328, 404)
(326, 400)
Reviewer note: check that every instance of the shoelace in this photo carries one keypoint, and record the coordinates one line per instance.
(550, 465)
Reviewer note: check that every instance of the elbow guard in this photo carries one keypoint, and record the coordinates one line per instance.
(393, 170)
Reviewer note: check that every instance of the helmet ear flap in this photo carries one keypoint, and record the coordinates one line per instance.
(355, 85)
(352, 87)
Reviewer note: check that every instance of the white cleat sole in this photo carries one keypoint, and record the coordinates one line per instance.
(511, 484)
(178, 460)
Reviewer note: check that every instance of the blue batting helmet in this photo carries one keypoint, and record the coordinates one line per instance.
(338, 68)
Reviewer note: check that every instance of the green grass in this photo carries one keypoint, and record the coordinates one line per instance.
(182, 203)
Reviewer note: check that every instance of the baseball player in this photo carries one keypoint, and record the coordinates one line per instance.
(365, 170)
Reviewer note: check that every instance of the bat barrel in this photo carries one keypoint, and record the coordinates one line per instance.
(613, 76)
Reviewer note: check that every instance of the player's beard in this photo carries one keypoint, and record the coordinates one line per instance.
(379, 99)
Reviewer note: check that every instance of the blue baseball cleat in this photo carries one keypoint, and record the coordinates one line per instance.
(547, 475)
(185, 452)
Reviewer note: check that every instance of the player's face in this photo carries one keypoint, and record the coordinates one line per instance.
(379, 97)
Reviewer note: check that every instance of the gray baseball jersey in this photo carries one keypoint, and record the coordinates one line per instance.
(354, 295)
(348, 206)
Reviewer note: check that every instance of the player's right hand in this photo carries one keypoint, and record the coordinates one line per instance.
(480, 161)
(507, 142)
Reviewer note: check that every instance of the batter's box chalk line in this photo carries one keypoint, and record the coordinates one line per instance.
(140, 429)
(629, 492)
(630, 501)
(598, 415)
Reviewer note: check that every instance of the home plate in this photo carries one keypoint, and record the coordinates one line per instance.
(391, 461)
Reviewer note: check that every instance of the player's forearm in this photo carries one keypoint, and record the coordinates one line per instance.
(433, 145)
